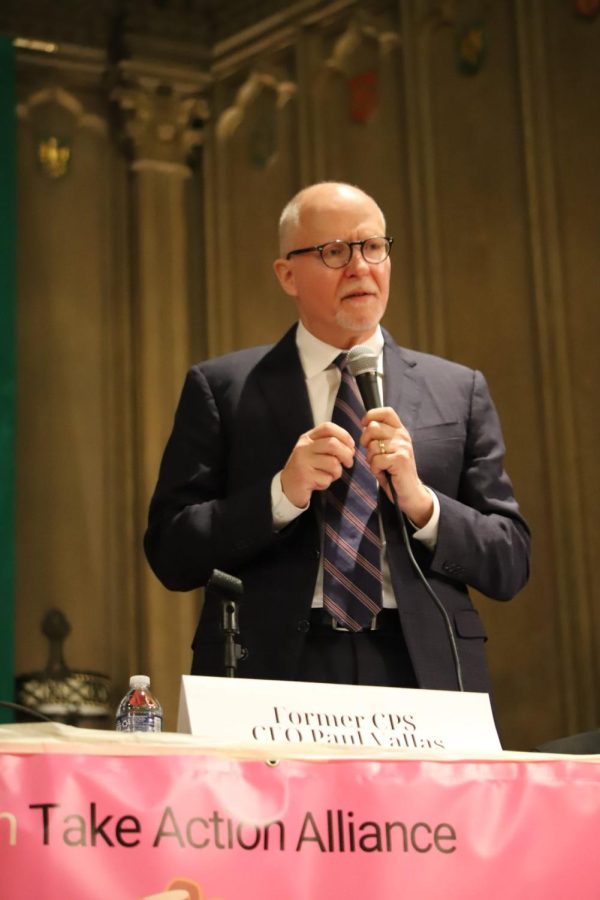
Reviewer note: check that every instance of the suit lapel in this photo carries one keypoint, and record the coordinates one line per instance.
(400, 382)
(281, 379)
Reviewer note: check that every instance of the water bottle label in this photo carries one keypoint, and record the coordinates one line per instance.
(140, 723)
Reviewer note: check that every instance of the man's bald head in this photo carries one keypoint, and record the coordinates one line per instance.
(323, 193)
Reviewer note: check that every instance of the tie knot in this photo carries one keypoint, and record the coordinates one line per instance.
(340, 361)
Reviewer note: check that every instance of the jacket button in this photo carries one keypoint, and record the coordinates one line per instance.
(303, 625)
(242, 544)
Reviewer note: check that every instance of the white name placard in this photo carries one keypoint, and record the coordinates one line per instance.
(256, 713)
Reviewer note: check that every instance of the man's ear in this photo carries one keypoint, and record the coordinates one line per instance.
(285, 275)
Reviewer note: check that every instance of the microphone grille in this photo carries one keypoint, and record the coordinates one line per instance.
(361, 359)
(228, 584)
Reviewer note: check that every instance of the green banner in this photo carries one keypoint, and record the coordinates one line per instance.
(8, 293)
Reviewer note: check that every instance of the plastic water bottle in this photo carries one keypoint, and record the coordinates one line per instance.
(139, 710)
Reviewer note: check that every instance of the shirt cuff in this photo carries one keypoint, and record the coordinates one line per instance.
(282, 510)
(428, 534)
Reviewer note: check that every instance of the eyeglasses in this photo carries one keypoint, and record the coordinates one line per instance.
(337, 254)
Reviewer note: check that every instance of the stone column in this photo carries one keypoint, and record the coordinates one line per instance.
(162, 128)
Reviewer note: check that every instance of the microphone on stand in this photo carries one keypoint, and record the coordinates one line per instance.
(361, 362)
(225, 585)
(230, 591)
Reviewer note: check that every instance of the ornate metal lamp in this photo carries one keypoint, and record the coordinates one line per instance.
(61, 694)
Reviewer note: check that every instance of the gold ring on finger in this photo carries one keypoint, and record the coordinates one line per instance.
(382, 447)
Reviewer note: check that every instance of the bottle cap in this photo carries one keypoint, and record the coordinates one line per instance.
(139, 681)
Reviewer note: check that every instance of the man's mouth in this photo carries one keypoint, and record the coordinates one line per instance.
(357, 295)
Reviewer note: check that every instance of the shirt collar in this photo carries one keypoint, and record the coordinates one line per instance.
(316, 356)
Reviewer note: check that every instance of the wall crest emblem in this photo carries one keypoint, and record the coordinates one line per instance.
(54, 156)
(364, 96)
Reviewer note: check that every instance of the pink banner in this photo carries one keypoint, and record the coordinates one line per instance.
(86, 827)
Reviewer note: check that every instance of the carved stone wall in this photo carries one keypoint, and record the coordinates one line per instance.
(189, 126)
(74, 524)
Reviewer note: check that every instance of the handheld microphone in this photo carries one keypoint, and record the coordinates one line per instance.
(362, 363)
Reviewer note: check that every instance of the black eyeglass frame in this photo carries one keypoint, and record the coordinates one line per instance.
(350, 244)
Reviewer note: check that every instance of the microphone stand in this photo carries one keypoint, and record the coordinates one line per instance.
(233, 651)
(229, 591)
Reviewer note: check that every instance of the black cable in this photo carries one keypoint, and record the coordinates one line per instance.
(362, 363)
(17, 707)
(428, 588)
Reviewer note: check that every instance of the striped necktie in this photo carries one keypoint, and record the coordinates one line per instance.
(351, 541)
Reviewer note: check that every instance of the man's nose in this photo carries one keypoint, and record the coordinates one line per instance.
(357, 262)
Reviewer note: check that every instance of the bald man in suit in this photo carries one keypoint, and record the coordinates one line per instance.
(254, 449)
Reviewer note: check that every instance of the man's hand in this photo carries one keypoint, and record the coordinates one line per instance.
(316, 461)
(389, 449)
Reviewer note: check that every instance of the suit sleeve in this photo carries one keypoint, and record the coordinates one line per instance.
(196, 523)
(483, 539)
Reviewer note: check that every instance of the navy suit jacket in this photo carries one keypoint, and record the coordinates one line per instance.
(238, 419)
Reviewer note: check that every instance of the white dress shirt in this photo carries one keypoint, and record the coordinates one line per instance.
(322, 382)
